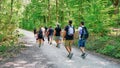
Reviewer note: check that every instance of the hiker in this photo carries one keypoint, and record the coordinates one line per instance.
(57, 34)
(43, 31)
(83, 35)
(35, 31)
(46, 31)
(35, 34)
(68, 36)
(40, 37)
(50, 35)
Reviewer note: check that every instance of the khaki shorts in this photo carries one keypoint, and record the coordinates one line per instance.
(57, 38)
(68, 42)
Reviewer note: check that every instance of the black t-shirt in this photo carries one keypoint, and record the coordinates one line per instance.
(46, 28)
(58, 30)
(69, 37)
(40, 34)
(50, 31)
(35, 31)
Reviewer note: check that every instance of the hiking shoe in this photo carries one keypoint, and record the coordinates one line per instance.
(70, 56)
(58, 46)
(50, 43)
(84, 55)
(39, 45)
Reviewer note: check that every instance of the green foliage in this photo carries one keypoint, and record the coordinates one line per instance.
(106, 45)
(10, 51)
(108, 49)
(9, 17)
(98, 15)
(3, 48)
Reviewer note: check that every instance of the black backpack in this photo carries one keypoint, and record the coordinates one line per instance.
(85, 33)
(40, 34)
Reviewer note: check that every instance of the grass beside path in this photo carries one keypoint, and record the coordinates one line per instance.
(7, 52)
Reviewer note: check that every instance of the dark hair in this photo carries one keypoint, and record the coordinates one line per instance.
(82, 23)
(58, 25)
(70, 22)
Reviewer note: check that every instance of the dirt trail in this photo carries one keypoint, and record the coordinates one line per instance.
(48, 56)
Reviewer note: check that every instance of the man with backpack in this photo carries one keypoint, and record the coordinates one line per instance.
(40, 37)
(57, 33)
(83, 35)
(68, 36)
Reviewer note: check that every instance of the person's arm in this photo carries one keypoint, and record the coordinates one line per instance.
(54, 32)
(64, 33)
(60, 32)
(47, 32)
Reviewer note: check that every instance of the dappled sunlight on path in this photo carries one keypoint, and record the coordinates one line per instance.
(48, 56)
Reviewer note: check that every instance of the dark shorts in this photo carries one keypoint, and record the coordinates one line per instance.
(40, 37)
(81, 43)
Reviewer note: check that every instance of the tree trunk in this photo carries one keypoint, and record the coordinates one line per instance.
(48, 10)
(56, 11)
(0, 8)
(116, 6)
(11, 11)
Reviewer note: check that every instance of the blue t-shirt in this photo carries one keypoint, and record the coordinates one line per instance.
(50, 31)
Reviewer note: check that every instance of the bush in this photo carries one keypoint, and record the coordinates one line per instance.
(107, 50)
(107, 45)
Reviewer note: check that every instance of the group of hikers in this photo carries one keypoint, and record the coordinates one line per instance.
(67, 35)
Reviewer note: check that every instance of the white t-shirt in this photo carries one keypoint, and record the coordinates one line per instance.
(43, 30)
(80, 31)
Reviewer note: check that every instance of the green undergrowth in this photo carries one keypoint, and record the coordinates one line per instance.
(10, 51)
(107, 45)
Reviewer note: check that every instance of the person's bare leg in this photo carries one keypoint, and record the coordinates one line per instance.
(57, 42)
(50, 40)
(82, 49)
(70, 47)
(39, 42)
(67, 48)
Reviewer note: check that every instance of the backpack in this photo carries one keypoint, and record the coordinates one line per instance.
(40, 34)
(85, 33)
(70, 30)
(50, 31)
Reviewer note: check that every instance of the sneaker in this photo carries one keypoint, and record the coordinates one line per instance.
(39, 45)
(84, 55)
(58, 46)
(50, 43)
(70, 56)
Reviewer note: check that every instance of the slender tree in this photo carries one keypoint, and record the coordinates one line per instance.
(57, 10)
(49, 10)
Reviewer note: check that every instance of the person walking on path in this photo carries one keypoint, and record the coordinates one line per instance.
(50, 35)
(46, 31)
(43, 31)
(68, 37)
(35, 34)
(40, 37)
(57, 34)
(83, 35)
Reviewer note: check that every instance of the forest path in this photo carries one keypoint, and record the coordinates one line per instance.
(48, 56)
